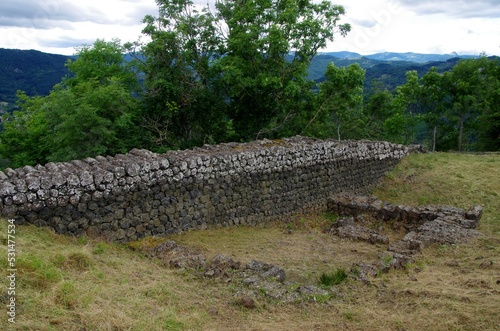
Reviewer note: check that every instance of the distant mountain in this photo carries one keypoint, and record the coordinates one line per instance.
(36, 73)
(409, 57)
(31, 71)
(415, 57)
(343, 55)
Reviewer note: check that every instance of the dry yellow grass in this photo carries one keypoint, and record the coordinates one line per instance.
(83, 284)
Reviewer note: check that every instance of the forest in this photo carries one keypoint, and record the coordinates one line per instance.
(239, 72)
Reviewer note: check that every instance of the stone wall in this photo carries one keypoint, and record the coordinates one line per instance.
(425, 225)
(130, 196)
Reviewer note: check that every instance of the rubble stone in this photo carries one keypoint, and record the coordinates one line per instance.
(426, 225)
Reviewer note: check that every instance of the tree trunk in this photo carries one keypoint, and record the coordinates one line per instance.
(460, 134)
(434, 131)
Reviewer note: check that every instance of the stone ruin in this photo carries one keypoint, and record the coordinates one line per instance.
(139, 194)
(424, 226)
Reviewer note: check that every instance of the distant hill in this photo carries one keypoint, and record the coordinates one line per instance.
(36, 72)
(390, 56)
(31, 71)
(390, 74)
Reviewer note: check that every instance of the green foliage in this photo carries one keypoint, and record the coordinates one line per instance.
(401, 125)
(480, 102)
(228, 74)
(31, 71)
(457, 109)
(269, 92)
(433, 102)
(333, 278)
(377, 109)
(240, 71)
(92, 113)
(184, 102)
(341, 101)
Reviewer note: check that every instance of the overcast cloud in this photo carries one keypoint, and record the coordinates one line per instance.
(423, 26)
(47, 14)
(455, 8)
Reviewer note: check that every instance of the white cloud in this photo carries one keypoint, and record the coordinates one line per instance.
(58, 26)
(455, 8)
(425, 26)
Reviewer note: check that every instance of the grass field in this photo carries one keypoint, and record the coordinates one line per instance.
(65, 283)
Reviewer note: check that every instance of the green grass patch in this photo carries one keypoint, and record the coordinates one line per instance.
(333, 278)
(37, 272)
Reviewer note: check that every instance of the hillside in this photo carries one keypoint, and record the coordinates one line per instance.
(36, 72)
(406, 57)
(390, 73)
(31, 71)
(66, 283)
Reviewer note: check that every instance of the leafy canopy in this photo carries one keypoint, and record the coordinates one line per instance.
(90, 113)
(241, 66)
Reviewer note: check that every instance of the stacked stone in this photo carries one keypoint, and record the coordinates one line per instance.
(139, 194)
(409, 217)
(426, 225)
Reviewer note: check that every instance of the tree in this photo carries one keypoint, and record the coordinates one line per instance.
(465, 83)
(93, 112)
(489, 119)
(184, 103)
(433, 97)
(341, 97)
(377, 109)
(23, 139)
(101, 62)
(236, 71)
(269, 45)
(401, 125)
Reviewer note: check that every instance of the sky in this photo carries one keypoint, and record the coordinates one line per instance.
(419, 26)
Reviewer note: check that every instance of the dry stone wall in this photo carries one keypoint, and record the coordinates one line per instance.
(139, 194)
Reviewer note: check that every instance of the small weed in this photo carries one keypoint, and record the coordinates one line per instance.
(420, 264)
(82, 240)
(67, 295)
(333, 278)
(294, 287)
(349, 314)
(387, 259)
(332, 217)
(173, 325)
(322, 298)
(100, 248)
